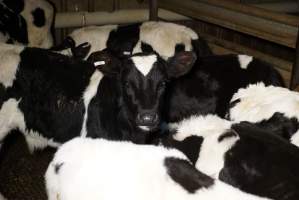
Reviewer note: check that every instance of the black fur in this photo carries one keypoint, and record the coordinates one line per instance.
(262, 163)
(39, 18)
(57, 167)
(182, 172)
(190, 146)
(209, 86)
(280, 125)
(228, 134)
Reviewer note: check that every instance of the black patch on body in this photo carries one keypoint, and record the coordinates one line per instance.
(51, 87)
(39, 18)
(183, 173)
(146, 48)
(57, 167)
(210, 85)
(262, 163)
(226, 135)
(190, 146)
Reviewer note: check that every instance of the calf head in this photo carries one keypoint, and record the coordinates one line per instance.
(142, 80)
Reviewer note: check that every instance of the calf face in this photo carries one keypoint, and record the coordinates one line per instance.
(142, 81)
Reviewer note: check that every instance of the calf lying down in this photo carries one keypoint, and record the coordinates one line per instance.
(96, 169)
(240, 154)
(272, 108)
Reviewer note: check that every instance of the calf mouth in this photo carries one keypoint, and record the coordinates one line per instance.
(148, 128)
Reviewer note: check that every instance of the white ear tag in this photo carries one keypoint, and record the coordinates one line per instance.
(98, 63)
(127, 53)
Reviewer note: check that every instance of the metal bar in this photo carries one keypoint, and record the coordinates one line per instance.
(75, 19)
(267, 29)
(295, 70)
(153, 10)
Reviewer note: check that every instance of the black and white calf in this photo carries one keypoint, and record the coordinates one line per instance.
(272, 108)
(122, 170)
(161, 37)
(241, 154)
(27, 22)
(52, 98)
(211, 83)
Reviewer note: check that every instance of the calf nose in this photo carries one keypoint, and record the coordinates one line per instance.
(147, 119)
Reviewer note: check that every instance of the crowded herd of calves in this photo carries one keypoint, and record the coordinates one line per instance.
(154, 114)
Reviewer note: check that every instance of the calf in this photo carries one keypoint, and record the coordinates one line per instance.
(162, 37)
(27, 22)
(211, 83)
(271, 108)
(52, 98)
(240, 154)
(122, 170)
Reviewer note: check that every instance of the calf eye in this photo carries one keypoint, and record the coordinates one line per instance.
(127, 85)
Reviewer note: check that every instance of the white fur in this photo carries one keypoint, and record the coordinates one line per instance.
(96, 169)
(89, 93)
(10, 117)
(210, 127)
(164, 36)
(9, 62)
(3, 38)
(39, 36)
(244, 60)
(2, 197)
(37, 141)
(259, 102)
(144, 64)
(96, 36)
(200, 126)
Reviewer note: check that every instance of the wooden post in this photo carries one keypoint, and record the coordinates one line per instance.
(295, 70)
(153, 10)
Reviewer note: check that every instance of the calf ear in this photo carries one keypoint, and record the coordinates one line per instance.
(105, 62)
(180, 63)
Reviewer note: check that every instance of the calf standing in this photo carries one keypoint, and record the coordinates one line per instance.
(52, 98)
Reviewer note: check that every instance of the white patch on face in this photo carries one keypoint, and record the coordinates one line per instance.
(259, 102)
(89, 93)
(244, 60)
(9, 62)
(144, 64)
(11, 118)
(96, 36)
(295, 138)
(38, 36)
(37, 141)
(145, 128)
(164, 36)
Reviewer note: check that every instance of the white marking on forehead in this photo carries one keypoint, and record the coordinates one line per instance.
(145, 128)
(244, 60)
(144, 64)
